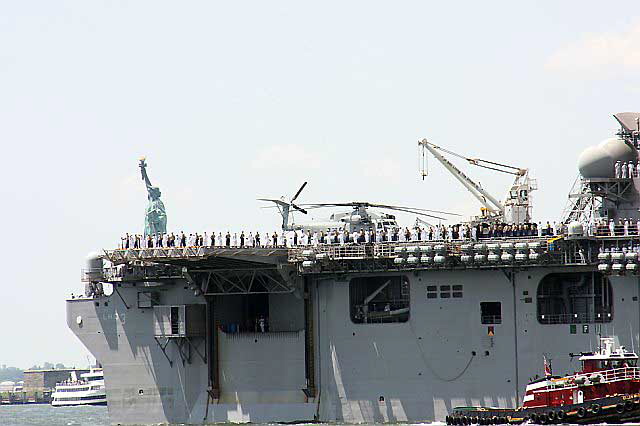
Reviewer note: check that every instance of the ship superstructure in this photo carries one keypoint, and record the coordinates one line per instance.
(361, 332)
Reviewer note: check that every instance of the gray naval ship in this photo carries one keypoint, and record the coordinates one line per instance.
(382, 331)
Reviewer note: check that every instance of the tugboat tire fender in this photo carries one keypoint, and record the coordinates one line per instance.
(595, 408)
(542, 418)
(495, 420)
(533, 417)
(581, 412)
(620, 408)
(560, 415)
(551, 415)
(628, 405)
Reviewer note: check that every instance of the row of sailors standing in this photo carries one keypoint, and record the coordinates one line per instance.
(338, 236)
(624, 227)
(626, 170)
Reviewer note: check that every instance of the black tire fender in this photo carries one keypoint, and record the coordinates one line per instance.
(620, 408)
(595, 408)
(561, 415)
(581, 412)
(495, 420)
(542, 418)
(551, 415)
(628, 405)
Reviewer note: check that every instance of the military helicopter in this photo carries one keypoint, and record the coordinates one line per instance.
(358, 218)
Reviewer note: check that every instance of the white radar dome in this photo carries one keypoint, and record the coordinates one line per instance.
(575, 229)
(598, 161)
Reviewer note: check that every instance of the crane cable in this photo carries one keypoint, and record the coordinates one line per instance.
(477, 162)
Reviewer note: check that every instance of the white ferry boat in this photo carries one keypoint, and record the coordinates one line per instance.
(87, 390)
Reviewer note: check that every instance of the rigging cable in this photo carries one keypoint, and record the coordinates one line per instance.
(477, 162)
(426, 363)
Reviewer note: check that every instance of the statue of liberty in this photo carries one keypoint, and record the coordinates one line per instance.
(155, 220)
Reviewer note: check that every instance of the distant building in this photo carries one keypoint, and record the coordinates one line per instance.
(45, 380)
(7, 386)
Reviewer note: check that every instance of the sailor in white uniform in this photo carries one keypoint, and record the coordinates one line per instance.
(612, 228)
(632, 169)
(626, 227)
(616, 170)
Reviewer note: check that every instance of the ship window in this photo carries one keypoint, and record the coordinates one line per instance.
(575, 298)
(491, 312)
(445, 295)
(445, 287)
(175, 320)
(432, 292)
(381, 299)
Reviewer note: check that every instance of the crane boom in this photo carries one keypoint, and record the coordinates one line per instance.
(486, 199)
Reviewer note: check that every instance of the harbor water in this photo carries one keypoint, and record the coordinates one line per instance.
(45, 414)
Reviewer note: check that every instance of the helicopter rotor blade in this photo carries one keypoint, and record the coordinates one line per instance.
(386, 206)
(319, 205)
(382, 206)
(274, 201)
(301, 210)
(298, 193)
(420, 213)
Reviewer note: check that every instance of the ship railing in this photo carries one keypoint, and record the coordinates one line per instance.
(600, 317)
(124, 273)
(158, 253)
(389, 249)
(631, 230)
(624, 373)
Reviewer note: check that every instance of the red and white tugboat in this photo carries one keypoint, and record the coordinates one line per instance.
(607, 390)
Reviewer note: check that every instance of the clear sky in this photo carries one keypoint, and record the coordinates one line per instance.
(234, 100)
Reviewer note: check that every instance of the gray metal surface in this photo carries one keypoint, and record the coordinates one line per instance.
(314, 360)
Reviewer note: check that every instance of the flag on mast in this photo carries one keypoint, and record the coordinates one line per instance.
(547, 367)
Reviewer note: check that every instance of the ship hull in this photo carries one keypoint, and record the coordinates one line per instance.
(337, 370)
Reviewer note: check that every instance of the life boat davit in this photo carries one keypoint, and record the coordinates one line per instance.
(607, 390)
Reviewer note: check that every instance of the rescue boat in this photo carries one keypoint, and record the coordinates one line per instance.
(606, 390)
